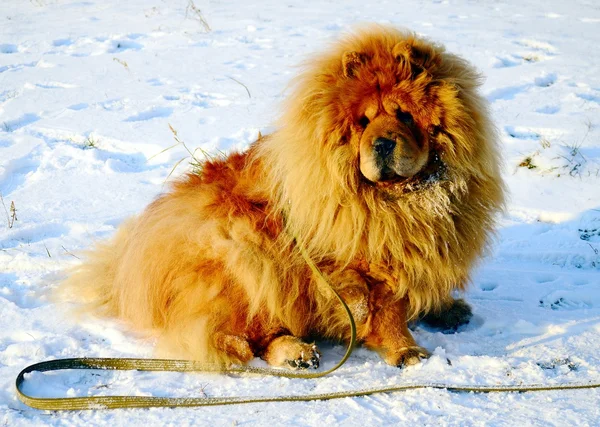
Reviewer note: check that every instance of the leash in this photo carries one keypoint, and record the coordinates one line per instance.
(130, 364)
(114, 402)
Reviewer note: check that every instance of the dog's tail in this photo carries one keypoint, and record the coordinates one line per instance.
(91, 284)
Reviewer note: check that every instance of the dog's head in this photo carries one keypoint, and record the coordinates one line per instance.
(384, 110)
(393, 110)
(398, 103)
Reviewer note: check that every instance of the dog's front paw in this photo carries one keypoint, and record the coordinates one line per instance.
(308, 359)
(292, 353)
(406, 356)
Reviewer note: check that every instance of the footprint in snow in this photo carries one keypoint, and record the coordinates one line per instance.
(537, 51)
(521, 133)
(545, 80)
(588, 233)
(121, 45)
(589, 97)
(541, 279)
(8, 48)
(536, 45)
(548, 109)
(15, 67)
(507, 93)
(33, 233)
(510, 92)
(22, 299)
(8, 95)
(62, 42)
(78, 107)
(560, 300)
(126, 43)
(55, 85)
(25, 120)
(506, 61)
(155, 82)
(488, 286)
(513, 60)
(152, 113)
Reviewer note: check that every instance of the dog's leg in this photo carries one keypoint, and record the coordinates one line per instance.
(389, 334)
(236, 347)
(291, 352)
(353, 289)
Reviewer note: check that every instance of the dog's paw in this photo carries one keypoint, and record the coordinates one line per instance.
(308, 359)
(406, 356)
(450, 318)
(292, 353)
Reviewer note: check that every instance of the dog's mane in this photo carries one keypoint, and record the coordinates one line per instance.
(431, 236)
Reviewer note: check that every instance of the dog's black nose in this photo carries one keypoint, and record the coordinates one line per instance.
(384, 146)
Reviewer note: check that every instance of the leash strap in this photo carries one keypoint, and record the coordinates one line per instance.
(128, 364)
(113, 402)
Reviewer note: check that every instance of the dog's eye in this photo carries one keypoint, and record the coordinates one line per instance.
(364, 121)
(404, 117)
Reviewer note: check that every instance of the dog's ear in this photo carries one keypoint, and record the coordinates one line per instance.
(402, 50)
(421, 57)
(351, 62)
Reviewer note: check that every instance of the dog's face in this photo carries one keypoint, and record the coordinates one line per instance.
(392, 146)
(397, 109)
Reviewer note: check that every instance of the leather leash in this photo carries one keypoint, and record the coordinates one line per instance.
(113, 402)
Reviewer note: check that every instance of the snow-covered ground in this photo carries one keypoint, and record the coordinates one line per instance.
(87, 92)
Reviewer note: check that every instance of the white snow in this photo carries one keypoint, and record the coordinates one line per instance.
(87, 92)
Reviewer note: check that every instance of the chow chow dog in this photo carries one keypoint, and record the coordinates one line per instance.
(383, 166)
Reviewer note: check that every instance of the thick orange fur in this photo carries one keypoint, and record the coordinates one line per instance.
(213, 268)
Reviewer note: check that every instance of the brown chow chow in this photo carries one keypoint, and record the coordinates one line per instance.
(384, 166)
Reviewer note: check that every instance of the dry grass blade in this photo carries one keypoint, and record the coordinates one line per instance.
(123, 63)
(192, 154)
(196, 164)
(163, 151)
(173, 169)
(173, 130)
(69, 253)
(13, 215)
(239, 82)
(197, 15)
